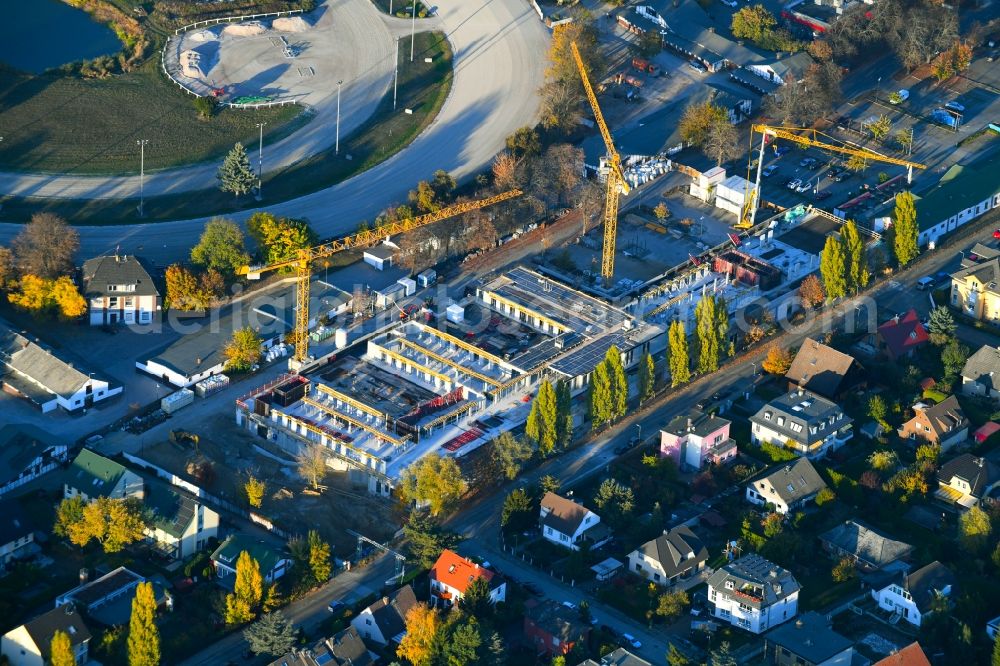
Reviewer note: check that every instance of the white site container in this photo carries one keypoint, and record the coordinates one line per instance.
(340, 338)
(409, 284)
(455, 313)
(175, 401)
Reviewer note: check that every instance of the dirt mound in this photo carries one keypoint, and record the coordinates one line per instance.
(248, 29)
(191, 65)
(203, 36)
(291, 24)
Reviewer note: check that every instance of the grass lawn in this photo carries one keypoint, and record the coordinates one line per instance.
(44, 131)
(423, 88)
(400, 8)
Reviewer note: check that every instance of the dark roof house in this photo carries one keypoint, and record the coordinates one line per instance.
(981, 373)
(811, 639)
(115, 274)
(35, 636)
(823, 370)
(926, 583)
(385, 620)
(26, 452)
(675, 551)
(867, 546)
(344, 648)
(966, 479)
(786, 485)
(769, 582)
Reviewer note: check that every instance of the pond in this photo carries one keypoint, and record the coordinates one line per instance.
(36, 35)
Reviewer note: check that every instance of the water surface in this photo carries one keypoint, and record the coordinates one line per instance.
(36, 35)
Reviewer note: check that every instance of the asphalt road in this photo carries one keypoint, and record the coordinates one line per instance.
(499, 48)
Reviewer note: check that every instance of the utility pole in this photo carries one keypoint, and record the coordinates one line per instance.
(878, 88)
(336, 150)
(260, 161)
(413, 28)
(142, 172)
(395, 77)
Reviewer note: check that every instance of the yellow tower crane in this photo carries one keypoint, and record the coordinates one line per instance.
(805, 137)
(302, 262)
(616, 179)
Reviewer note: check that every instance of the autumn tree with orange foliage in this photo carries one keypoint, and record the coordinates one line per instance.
(778, 360)
(418, 646)
(44, 297)
(811, 292)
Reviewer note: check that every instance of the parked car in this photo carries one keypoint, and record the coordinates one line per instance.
(955, 106)
(632, 640)
(843, 175)
(569, 604)
(925, 283)
(768, 170)
(820, 196)
(795, 184)
(804, 187)
(336, 606)
(697, 66)
(730, 3)
(781, 150)
(807, 161)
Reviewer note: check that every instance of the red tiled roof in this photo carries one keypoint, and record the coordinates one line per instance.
(457, 572)
(911, 655)
(903, 335)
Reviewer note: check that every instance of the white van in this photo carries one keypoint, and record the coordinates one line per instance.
(925, 283)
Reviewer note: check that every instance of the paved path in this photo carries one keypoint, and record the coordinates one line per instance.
(499, 48)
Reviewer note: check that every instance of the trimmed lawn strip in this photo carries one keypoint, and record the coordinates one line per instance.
(422, 88)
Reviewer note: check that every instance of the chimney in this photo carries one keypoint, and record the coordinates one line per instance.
(690, 424)
(84, 575)
(799, 623)
(385, 601)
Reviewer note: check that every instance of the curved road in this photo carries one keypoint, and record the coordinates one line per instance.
(499, 48)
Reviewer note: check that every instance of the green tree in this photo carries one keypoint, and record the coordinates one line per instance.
(524, 142)
(754, 22)
(941, 326)
(319, 558)
(614, 499)
(279, 238)
(905, 229)
(143, 636)
(721, 656)
(435, 480)
(564, 414)
(675, 657)
(248, 591)
(205, 106)
(711, 326)
(541, 424)
(825, 496)
(517, 513)
(844, 570)
(599, 396)
(974, 529)
(508, 455)
(677, 354)
(883, 460)
(995, 659)
(953, 357)
(463, 643)
(671, 604)
(650, 43)
(833, 267)
(476, 599)
(549, 484)
(881, 128)
(647, 377)
(236, 175)
(857, 273)
(426, 538)
(242, 351)
(619, 382)
(878, 410)
(221, 246)
(271, 635)
(61, 650)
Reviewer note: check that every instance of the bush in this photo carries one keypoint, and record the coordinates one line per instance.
(825, 496)
(205, 106)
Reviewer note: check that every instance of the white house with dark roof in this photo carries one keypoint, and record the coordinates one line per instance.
(30, 644)
(914, 595)
(753, 593)
(803, 421)
(17, 534)
(32, 371)
(385, 620)
(809, 641)
(981, 373)
(273, 561)
(786, 486)
(181, 525)
(566, 523)
(119, 291)
(26, 453)
(966, 480)
(675, 555)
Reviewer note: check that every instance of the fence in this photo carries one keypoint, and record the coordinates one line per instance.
(235, 19)
(260, 105)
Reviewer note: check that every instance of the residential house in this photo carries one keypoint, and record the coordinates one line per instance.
(809, 641)
(696, 439)
(381, 256)
(914, 595)
(821, 369)
(553, 629)
(385, 620)
(966, 480)
(32, 371)
(943, 424)
(181, 525)
(963, 194)
(119, 291)
(901, 336)
(911, 655)
(107, 599)
(26, 453)
(870, 549)
(17, 534)
(566, 523)
(974, 290)
(675, 555)
(753, 593)
(452, 574)
(618, 657)
(804, 422)
(981, 373)
(30, 643)
(782, 69)
(274, 563)
(92, 475)
(344, 648)
(786, 486)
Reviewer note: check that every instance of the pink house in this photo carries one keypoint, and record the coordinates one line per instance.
(696, 439)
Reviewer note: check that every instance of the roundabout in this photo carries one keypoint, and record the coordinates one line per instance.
(499, 50)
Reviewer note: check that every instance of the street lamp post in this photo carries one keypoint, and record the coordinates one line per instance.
(878, 87)
(260, 161)
(413, 28)
(336, 149)
(142, 173)
(638, 437)
(395, 75)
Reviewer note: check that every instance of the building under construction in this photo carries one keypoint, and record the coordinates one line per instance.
(417, 388)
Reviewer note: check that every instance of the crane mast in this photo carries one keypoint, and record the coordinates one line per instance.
(302, 262)
(616, 183)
